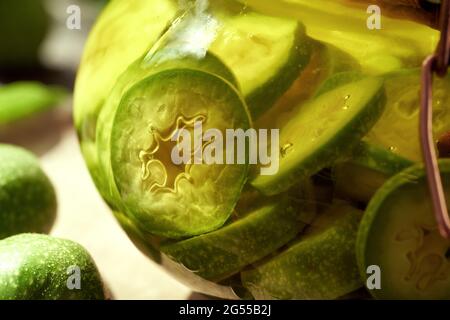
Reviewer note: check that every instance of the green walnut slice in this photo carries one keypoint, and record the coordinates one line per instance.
(222, 253)
(397, 129)
(168, 197)
(321, 265)
(265, 53)
(399, 235)
(322, 131)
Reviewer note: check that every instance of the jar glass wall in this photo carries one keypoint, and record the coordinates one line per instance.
(267, 149)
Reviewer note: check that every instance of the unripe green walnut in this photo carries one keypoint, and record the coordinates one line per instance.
(39, 267)
(27, 198)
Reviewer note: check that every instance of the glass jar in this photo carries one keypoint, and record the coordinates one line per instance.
(268, 148)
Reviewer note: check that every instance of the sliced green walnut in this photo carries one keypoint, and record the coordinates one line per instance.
(265, 53)
(322, 131)
(39, 267)
(222, 253)
(161, 60)
(320, 265)
(368, 169)
(397, 128)
(166, 196)
(400, 43)
(27, 197)
(325, 64)
(399, 235)
(170, 51)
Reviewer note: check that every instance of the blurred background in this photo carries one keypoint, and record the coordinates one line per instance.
(40, 47)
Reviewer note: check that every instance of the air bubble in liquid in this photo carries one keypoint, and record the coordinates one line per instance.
(286, 149)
